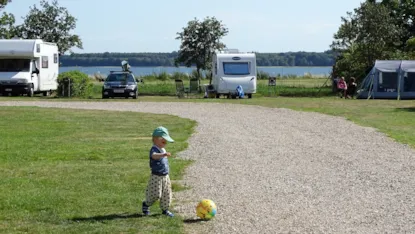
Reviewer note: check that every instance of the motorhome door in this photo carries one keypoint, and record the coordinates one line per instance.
(35, 75)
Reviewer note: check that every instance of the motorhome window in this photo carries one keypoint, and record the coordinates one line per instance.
(45, 61)
(121, 77)
(14, 65)
(236, 68)
(55, 58)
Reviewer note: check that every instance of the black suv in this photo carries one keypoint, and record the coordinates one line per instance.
(120, 84)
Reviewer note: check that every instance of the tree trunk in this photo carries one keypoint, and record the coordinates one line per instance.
(334, 75)
(198, 73)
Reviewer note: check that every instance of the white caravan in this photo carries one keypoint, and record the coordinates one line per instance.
(28, 67)
(232, 68)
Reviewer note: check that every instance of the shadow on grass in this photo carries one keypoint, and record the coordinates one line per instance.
(407, 109)
(100, 218)
(194, 220)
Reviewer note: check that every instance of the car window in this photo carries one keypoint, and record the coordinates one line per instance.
(124, 77)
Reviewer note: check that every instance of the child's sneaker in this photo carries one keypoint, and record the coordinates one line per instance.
(145, 209)
(168, 213)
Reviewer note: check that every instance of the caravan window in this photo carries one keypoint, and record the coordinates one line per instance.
(236, 68)
(14, 65)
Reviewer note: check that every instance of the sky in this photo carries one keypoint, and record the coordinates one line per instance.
(265, 26)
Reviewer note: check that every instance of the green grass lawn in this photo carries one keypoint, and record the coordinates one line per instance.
(82, 171)
(285, 87)
(293, 82)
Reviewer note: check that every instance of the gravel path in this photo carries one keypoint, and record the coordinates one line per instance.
(279, 171)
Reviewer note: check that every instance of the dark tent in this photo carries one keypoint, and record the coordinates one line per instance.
(389, 79)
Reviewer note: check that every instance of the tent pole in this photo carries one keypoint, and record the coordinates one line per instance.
(399, 80)
(370, 87)
(399, 85)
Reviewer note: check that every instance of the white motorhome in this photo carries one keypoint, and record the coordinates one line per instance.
(28, 67)
(232, 68)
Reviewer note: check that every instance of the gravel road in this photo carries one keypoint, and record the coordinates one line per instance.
(282, 171)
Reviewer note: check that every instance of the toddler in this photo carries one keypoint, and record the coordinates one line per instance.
(159, 185)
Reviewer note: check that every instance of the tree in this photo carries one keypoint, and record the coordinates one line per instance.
(369, 34)
(199, 40)
(403, 13)
(6, 22)
(53, 24)
(7, 29)
(3, 3)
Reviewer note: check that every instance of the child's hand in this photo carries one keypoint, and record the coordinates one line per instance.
(168, 154)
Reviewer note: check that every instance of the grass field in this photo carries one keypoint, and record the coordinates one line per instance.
(290, 82)
(299, 87)
(81, 171)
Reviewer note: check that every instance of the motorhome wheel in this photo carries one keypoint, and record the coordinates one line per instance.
(31, 92)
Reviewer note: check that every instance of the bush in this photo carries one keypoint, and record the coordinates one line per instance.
(286, 91)
(158, 88)
(163, 76)
(179, 76)
(80, 84)
(261, 75)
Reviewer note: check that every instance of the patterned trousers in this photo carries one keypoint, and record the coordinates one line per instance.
(159, 187)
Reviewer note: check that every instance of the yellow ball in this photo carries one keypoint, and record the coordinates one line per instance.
(206, 209)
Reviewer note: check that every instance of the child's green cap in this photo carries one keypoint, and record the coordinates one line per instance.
(162, 132)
